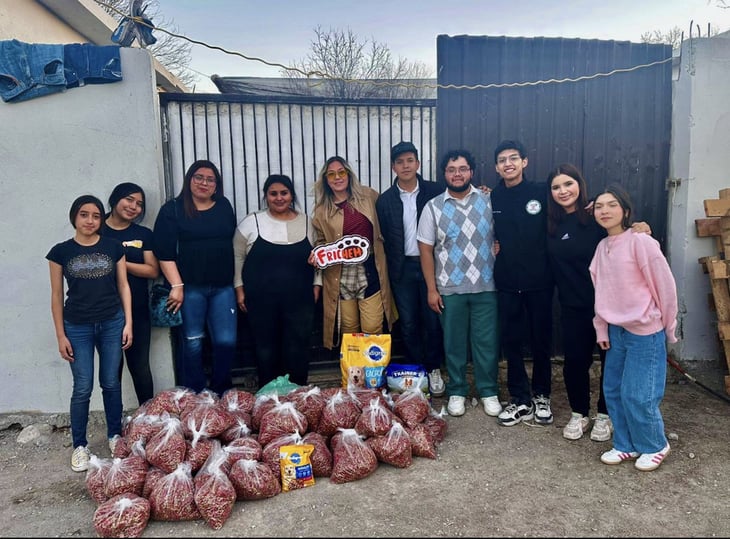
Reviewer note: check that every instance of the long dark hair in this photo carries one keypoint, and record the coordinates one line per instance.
(123, 190)
(187, 195)
(556, 213)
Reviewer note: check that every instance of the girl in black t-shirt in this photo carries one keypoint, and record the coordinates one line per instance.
(97, 315)
(127, 207)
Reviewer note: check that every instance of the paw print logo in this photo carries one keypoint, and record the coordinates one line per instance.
(350, 249)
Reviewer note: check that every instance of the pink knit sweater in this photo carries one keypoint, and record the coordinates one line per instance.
(635, 288)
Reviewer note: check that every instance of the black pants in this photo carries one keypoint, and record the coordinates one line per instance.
(536, 307)
(282, 332)
(420, 326)
(579, 344)
(138, 355)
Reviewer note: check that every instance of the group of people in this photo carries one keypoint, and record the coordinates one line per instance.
(461, 267)
(490, 261)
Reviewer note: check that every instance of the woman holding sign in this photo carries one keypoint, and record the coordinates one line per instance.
(349, 248)
(274, 282)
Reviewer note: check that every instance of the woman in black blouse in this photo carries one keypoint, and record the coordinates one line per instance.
(193, 240)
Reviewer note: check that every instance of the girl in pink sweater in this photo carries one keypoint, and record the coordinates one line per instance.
(636, 311)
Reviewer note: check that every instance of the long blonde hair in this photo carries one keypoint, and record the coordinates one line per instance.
(323, 194)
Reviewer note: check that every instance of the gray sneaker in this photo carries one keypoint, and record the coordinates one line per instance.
(576, 426)
(436, 385)
(602, 428)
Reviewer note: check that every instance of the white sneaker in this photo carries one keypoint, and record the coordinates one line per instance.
(614, 456)
(436, 385)
(651, 461)
(576, 426)
(456, 405)
(602, 428)
(492, 406)
(80, 459)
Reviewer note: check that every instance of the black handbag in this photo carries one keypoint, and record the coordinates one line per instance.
(160, 316)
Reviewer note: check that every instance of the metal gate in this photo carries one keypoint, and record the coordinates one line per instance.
(250, 137)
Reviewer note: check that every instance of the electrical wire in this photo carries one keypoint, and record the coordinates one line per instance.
(371, 82)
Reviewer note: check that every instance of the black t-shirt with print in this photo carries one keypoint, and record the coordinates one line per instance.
(91, 276)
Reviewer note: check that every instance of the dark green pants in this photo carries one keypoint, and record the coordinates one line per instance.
(469, 321)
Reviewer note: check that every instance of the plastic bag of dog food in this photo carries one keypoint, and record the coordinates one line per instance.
(353, 458)
(363, 359)
(296, 468)
(124, 515)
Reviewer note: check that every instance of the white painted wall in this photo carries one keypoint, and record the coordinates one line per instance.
(53, 149)
(700, 160)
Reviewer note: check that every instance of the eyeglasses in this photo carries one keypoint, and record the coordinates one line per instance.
(199, 178)
(460, 170)
(514, 159)
(342, 173)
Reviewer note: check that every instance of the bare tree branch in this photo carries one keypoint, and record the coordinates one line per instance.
(340, 64)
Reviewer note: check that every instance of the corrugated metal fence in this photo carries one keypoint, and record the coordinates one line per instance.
(604, 106)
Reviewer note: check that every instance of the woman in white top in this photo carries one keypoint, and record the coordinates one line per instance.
(274, 282)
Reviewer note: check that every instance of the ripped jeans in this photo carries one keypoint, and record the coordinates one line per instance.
(213, 309)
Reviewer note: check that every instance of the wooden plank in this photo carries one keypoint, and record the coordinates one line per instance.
(717, 208)
(725, 235)
(725, 193)
(721, 296)
(718, 269)
(707, 227)
(726, 349)
(723, 328)
(706, 261)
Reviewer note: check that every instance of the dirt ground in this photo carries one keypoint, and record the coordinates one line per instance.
(488, 480)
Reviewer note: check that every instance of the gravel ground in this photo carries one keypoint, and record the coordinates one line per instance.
(488, 480)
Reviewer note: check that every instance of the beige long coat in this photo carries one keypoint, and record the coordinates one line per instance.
(328, 229)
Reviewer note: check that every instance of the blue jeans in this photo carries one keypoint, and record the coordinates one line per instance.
(106, 337)
(470, 324)
(29, 70)
(85, 63)
(419, 325)
(212, 308)
(633, 384)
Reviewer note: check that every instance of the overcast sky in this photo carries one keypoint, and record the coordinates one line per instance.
(281, 31)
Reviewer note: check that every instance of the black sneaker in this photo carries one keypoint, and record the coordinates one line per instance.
(514, 413)
(543, 413)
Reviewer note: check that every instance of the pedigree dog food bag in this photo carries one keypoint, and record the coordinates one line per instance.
(363, 359)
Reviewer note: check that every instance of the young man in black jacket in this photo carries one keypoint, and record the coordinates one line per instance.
(525, 284)
(399, 209)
